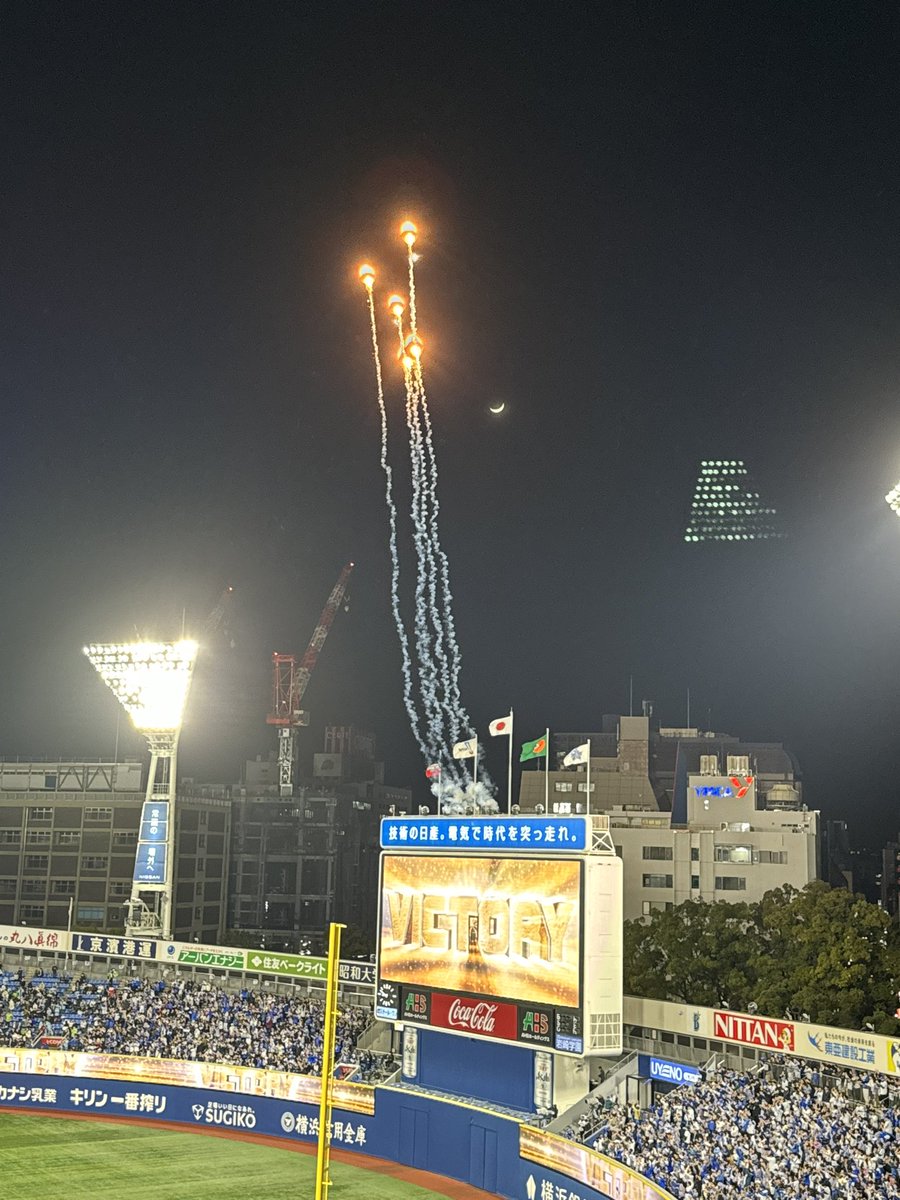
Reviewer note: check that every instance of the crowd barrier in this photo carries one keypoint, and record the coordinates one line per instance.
(461, 1141)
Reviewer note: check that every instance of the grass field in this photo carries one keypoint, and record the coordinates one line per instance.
(45, 1157)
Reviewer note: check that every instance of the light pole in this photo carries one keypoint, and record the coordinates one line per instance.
(151, 680)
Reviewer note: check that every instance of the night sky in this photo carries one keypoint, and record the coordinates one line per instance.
(659, 233)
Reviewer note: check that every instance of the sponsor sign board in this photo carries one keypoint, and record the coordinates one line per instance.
(483, 946)
(667, 1071)
(504, 834)
(764, 1032)
(98, 943)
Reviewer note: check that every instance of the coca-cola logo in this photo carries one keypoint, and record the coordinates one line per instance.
(480, 1017)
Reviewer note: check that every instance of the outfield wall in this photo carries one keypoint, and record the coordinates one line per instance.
(461, 1141)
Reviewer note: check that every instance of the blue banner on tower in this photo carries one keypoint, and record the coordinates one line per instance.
(154, 821)
(150, 863)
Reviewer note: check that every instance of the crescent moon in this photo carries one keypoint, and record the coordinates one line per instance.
(498, 408)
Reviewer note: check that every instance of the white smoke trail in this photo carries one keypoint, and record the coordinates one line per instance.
(406, 664)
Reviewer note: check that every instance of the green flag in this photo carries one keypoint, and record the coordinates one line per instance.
(535, 749)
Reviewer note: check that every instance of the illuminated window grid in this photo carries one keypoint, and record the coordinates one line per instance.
(726, 508)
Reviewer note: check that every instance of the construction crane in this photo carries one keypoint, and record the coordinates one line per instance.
(290, 681)
(217, 621)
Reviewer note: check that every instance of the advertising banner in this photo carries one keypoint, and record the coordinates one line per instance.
(193, 1107)
(587, 1166)
(527, 834)
(150, 864)
(224, 1077)
(154, 821)
(503, 927)
(122, 947)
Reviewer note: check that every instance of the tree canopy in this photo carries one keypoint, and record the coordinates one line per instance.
(822, 952)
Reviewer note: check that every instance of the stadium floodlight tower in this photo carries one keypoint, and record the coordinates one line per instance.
(151, 680)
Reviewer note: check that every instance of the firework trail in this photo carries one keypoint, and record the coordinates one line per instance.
(437, 648)
(430, 629)
(367, 276)
(442, 614)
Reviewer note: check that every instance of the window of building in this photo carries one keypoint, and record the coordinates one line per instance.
(657, 881)
(67, 837)
(201, 865)
(98, 814)
(34, 887)
(773, 856)
(203, 816)
(734, 854)
(201, 841)
(695, 853)
(7, 887)
(90, 912)
(31, 912)
(95, 862)
(63, 887)
(10, 837)
(695, 881)
(652, 906)
(582, 787)
(120, 887)
(126, 837)
(562, 787)
(562, 807)
(36, 862)
(658, 853)
(40, 814)
(731, 883)
(38, 837)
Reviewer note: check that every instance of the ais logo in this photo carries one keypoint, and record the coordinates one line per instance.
(535, 1025)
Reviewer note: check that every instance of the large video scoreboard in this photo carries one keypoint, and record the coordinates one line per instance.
(487, 926)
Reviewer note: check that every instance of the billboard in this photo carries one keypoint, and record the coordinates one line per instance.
(483, 945)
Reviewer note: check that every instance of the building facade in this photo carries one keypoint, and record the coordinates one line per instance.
(693, 817)
(301, 862)
(68, 836)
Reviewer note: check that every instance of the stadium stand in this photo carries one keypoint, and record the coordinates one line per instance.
(788, 1130)
(182, 1018)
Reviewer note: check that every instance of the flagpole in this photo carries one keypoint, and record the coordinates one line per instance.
(547, 771)
(475, 768)
(509, 766)
(589, 778)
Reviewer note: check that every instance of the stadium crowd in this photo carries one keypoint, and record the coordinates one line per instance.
(788, 1131)
(180, 1018)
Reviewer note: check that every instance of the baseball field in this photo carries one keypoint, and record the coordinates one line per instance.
(47, 1157)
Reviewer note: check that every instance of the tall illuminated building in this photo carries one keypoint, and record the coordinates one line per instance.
(151, 680)
(727, 508)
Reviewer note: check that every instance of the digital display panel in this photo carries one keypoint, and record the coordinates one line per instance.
(508, 928)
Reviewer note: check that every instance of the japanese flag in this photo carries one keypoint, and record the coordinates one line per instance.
(502, 727)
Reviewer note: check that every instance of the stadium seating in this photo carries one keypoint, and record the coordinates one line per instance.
(786, 1131)
(185, 1019)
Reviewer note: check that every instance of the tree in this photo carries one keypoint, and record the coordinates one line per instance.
(830, 954)
(696, 953)
(821, 952)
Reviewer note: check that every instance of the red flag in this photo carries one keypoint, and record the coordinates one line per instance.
(433, 772)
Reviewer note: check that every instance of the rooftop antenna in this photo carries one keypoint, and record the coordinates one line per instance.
(631, 695)
(688, 709)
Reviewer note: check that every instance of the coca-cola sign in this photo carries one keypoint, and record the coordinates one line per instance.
(478, 1016)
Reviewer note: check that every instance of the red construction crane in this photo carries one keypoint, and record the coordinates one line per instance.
(290, 681)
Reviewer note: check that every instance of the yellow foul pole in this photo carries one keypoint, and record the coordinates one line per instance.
(323, 1154)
